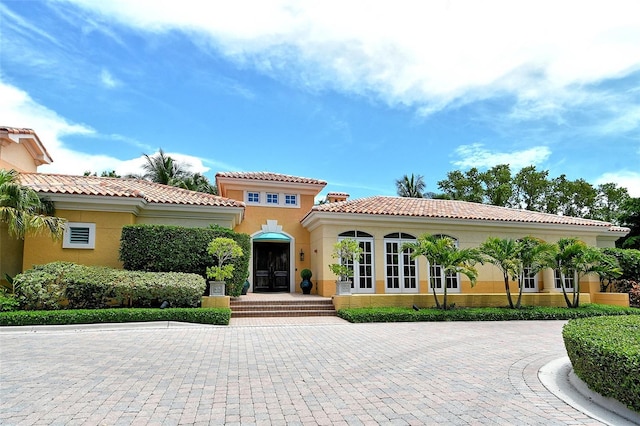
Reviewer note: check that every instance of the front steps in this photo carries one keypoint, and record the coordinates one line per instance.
(301, 307)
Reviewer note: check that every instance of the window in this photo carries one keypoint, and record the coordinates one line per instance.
(438, 278)
(401, 270)
(363, 279)
(253, 197)
(530, 280)
(272, 198)
(290, 200)
(79, 235)
(569, 279)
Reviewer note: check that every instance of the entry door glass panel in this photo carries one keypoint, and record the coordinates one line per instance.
(270, 267)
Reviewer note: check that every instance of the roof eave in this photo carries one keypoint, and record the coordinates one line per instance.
(315, 218)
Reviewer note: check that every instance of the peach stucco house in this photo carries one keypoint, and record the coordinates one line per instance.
(289, 232)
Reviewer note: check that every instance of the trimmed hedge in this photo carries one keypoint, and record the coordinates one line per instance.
(165, 248)
(364, 315)
(63, 284)
(605, 354)
(215, 316)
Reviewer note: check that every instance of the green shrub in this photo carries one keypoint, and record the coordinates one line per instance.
(605, 354)
(150, 289)
(629, 260)
(216, 316)
(363, 315)
(43, 286)
(59, 284)
(8, 302)
(164, 248)
(89, 286)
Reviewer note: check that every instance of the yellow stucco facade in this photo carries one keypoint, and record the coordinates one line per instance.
(289, 232)
(40, 249)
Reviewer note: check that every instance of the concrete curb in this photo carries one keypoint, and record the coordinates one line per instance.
(559, 379)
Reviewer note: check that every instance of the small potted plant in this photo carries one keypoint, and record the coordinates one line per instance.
(346, 252)
(223, 250)
(306, 285)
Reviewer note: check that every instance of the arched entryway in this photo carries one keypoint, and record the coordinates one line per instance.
(271, 262)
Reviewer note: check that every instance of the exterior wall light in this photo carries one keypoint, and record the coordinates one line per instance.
(301, 256)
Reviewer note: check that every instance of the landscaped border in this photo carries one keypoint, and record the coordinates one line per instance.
(214, 316)
(364, 315)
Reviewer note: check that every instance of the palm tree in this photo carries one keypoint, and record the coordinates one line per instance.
(574, 257)
(23, 211)
(163, 169)
(442, 251)
(504, 254)
(534, 255)
(197, 182)
(411, 187)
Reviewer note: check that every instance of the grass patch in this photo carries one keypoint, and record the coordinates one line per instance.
(215, 316)
(605, 354)
(363, 315)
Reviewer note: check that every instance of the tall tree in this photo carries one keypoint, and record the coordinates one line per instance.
(411, 186)
(498, 187)
(531, 188)
(630, 217)
(23, 211)
(463, 186)
(609, 202)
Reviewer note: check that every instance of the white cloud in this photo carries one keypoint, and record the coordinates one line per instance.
(18, 109)
(108, 80)
(624, 178)
(425, 54)
(476, 155)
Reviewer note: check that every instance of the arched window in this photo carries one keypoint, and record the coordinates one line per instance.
(363, 279)
(401, 272)
(438, 278)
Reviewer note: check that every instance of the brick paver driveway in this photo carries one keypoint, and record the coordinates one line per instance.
(408, 373)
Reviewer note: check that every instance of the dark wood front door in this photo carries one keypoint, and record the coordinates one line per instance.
(270, 267)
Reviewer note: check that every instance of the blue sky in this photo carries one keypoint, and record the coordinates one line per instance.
(356, 93)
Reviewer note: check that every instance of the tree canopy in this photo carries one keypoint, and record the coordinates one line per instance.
(533, 189)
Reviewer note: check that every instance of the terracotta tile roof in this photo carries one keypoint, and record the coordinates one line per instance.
(338, 194)
(17, 130)
(449, 209)
(268, 176)
(123, 188)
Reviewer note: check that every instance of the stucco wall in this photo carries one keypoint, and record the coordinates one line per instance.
(41, 249)
(287, 217)
(10, 253)
(490, 279)
(15, 156)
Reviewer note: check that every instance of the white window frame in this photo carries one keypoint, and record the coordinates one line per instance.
(253, 193)
(271, 197)
(91, 240)
(362, 282)
(290, 197)
(530, 284)
(557, 285)
(406, 282)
